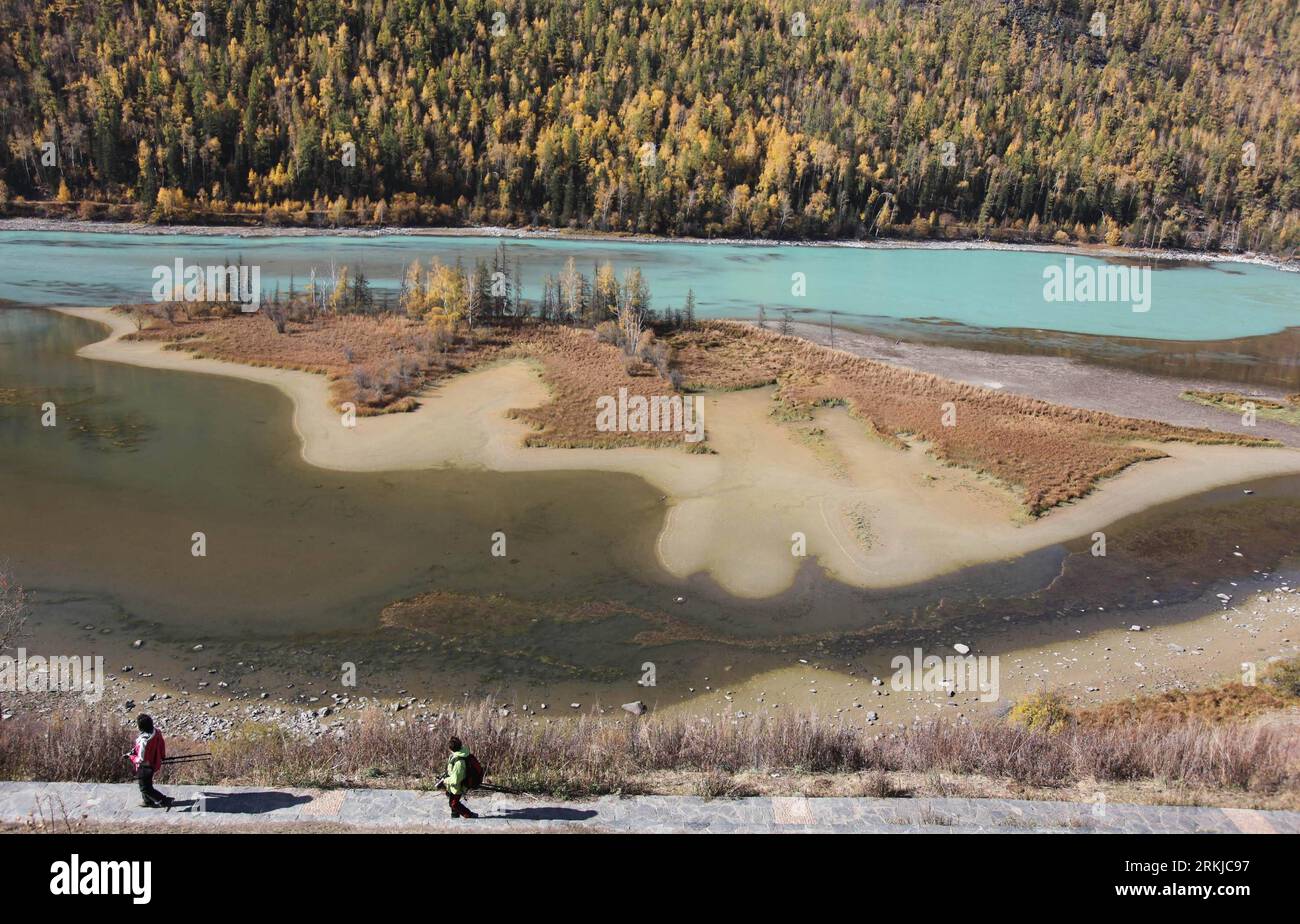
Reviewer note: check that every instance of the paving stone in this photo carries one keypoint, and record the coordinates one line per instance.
(220, 806)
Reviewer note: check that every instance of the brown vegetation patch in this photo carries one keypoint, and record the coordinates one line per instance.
(1052, 453)
(454, 614)
(460, 615)
(376, 362)
(1286, 410)
(448, 613)
(580, 369)
(592, 754)
(382, 362)
(1234, 701)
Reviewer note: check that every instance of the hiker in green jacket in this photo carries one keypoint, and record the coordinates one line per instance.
(456, 781)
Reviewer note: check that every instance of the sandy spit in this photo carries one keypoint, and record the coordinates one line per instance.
(871, 515)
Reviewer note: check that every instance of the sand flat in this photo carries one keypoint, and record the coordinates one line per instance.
(870, 514)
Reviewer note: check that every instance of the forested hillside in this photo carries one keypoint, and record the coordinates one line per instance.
(1175, 124)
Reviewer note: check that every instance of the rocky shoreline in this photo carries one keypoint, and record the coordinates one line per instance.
(1091, 250)
(1177, 648)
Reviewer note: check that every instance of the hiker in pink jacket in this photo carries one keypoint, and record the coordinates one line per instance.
(147, 759)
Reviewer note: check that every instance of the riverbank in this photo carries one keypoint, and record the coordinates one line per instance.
(1061, 380)
(1090, 658)
(1242, 755)
(1099, 251)
(871, 514)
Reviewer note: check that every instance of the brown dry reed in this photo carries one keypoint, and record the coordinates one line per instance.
(593, 754)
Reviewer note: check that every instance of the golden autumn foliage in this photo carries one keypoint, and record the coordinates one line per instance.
(1178, 125)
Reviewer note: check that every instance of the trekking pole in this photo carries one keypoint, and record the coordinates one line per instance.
(186, 758)
(492, 788)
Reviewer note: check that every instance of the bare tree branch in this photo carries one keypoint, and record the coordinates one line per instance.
(13, 608)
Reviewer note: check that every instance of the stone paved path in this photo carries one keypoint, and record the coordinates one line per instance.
(399, 809)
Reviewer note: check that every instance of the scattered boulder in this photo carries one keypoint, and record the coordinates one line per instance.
(636, 708)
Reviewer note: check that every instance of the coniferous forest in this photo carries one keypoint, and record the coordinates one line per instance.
(1171, 123)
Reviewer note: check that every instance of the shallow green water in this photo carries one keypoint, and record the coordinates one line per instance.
(141, 459)
(97, 515)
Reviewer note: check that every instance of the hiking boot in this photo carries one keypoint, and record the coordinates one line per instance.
(472, 815)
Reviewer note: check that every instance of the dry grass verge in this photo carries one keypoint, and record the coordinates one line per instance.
(1231, 761)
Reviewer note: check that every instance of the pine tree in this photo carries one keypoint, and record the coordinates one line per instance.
(1139, 140)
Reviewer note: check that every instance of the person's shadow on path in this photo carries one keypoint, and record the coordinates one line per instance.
(241, 803)
(545, 813)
